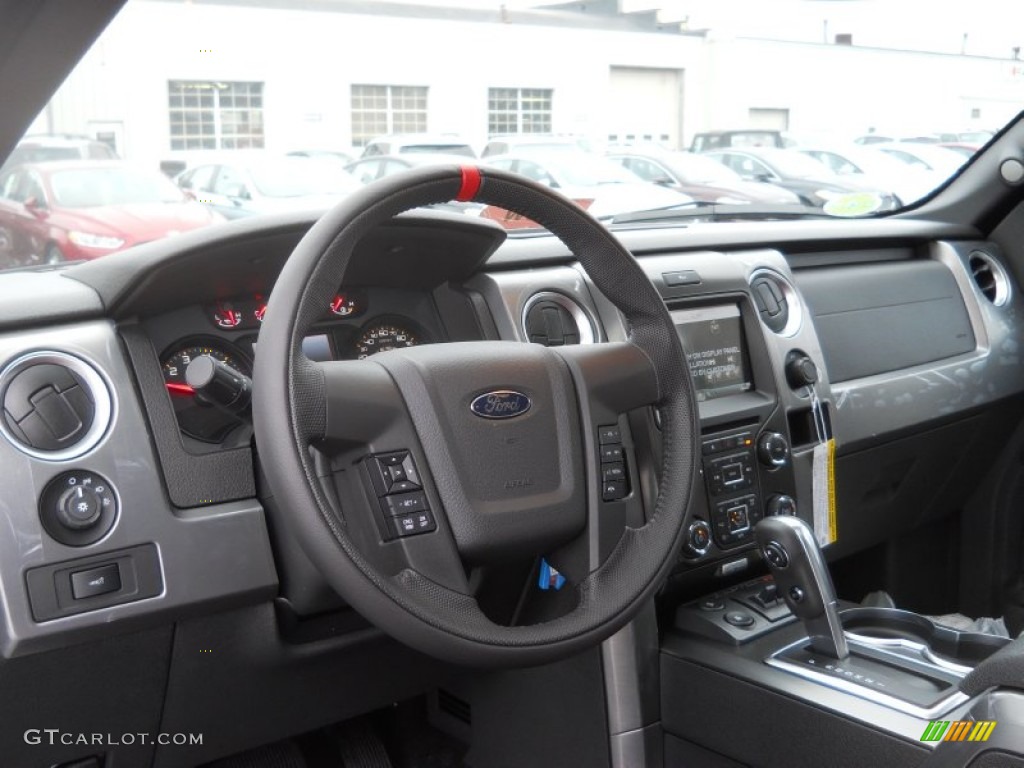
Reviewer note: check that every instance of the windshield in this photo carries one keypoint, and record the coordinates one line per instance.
(703, 92)
(295, 177)
(703, 170)
(94, 187)
(795, 165)
(573, 168)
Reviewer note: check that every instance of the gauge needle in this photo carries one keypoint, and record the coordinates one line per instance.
(179, 389)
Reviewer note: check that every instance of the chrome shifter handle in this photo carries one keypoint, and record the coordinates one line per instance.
(787, 544)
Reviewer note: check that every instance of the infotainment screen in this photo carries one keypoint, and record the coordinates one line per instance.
(713, 341)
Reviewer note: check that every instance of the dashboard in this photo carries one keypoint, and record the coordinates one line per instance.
(878, 336)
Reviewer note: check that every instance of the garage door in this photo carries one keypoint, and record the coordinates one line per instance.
(645, 105)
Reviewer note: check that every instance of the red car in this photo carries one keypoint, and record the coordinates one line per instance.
(71, 210)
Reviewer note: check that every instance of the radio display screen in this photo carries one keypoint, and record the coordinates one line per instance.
(713, 342)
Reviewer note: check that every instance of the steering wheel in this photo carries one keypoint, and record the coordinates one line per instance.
(493, 489)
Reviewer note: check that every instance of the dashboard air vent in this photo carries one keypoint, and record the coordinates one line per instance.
(776, 301)
(53, 406)
(555, 320)
(990, 277)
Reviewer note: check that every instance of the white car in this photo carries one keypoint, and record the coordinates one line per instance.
(876, 168)
(596, 183)
(944, 162)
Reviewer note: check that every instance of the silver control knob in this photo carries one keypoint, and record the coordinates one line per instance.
(773, 449)
(698, 539)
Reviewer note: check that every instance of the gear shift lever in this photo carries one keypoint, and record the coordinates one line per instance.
(788, 546)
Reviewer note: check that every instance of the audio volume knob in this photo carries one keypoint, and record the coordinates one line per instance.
(780, 504)
(773, 449)
(801, 371)
(698, 539)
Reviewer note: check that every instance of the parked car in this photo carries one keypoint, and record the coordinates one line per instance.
(872, 167)
(327, 154)
(699, 177)
(944, 162)
(708, 140)
(967, 149)
(417, 143)
(808, 179)
(525, 142)
(70, 210)
(369, 169)
(601, 186)
(266, 183)
(44, 147)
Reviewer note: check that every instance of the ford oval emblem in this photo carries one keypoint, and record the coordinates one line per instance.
(500, 404)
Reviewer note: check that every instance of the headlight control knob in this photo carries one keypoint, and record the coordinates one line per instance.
(698, 539)
(78, 507)
(773, 449)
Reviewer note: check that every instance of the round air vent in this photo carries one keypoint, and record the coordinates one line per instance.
(53, 405)
(990, 277)
(776, 301)
(555, 320)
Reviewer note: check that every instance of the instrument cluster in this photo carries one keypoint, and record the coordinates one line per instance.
(356, 324)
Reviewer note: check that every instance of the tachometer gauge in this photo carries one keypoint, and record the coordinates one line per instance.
(383, 334)
(196, 417)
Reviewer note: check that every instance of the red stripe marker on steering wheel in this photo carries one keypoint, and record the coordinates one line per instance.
(470, 183)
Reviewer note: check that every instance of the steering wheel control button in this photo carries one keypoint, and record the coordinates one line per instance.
(409, 525)
(614, 471)
(613, 490)
(78, 508)
(775, 555)
(739, 619)
(393, 473)
(399, 490)
(611, 453)
(614, 476)
(405, 503)
(96, 581)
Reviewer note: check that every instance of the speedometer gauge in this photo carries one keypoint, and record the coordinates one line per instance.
(196, 417)
(386, 333)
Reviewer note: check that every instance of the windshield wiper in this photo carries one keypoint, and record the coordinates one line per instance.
(705, 211)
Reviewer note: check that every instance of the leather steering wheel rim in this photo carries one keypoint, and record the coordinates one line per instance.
(290, 414)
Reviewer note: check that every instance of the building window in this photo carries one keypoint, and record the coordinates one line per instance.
(518, 110)
(380, 109)
(215, 115)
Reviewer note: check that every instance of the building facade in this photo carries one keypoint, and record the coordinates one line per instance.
(161, 85)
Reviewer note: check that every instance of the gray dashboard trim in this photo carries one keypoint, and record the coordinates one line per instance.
(870, 407)
(216, 556)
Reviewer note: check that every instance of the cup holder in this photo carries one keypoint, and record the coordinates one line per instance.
(964, 648)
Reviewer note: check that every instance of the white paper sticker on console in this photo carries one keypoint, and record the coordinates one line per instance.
(824, 493)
